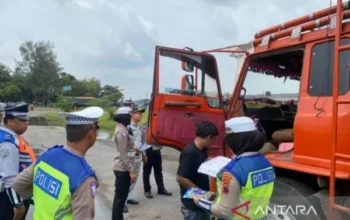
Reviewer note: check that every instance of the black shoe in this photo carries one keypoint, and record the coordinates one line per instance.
(149, 195)
(132, 202)
(125, 210)
(165, 193)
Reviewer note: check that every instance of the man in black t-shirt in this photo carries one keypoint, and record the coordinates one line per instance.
(194, 154)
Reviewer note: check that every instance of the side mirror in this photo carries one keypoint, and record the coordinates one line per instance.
(186, 66)
(243, 92)
(187, 82)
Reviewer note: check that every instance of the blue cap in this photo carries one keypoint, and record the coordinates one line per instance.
(19, 111)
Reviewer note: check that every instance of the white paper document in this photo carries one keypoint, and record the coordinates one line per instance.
(213, 166)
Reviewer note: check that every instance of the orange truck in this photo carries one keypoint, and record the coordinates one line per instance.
(310, 52)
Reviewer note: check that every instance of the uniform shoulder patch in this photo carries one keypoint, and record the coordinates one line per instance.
(7, 137)
(226, 179)
(123, 134)
(4, 154)
(93, 186)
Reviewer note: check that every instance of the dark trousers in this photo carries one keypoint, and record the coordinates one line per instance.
(122, 185)
(6, 208)
(155, 161)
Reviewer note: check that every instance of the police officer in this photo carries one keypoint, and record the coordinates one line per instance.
(239, 190)
(11, 160)
(136, 117)
(123, 163)
(154, 159)
(63, 184)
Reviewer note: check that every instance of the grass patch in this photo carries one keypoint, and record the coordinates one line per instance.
(53, 119)
(105, 122)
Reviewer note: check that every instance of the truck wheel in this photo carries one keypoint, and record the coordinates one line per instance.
(289, 201)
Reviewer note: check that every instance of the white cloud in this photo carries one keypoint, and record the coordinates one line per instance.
(131, 54)
(115, 40)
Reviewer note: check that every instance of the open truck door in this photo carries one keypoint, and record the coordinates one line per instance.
(174, 113)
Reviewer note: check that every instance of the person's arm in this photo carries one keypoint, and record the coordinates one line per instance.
(9, 163)
(83, 200)
(186, 170)
(121, 139)
(23, 183)
(229, 198)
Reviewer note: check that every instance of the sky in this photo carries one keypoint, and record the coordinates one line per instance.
(114, 40)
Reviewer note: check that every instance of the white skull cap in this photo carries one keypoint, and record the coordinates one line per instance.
(123, 110)
(239, 124)
(84, 117)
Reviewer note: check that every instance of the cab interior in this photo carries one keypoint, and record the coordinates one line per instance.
(276, 114)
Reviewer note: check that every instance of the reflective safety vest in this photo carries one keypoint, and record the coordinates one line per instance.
(57, 174)
(7, 137)
(26, 153)
(256, 177)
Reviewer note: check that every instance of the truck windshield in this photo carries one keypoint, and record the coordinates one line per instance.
(275, 77)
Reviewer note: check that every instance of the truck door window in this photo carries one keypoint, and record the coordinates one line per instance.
(170, 75)
(321, 70)
(170, 72)
(211, 85)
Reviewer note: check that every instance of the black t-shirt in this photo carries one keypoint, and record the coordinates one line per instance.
(190, 160)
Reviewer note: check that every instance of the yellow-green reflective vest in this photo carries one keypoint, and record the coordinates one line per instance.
(57, 173)
(256, 177)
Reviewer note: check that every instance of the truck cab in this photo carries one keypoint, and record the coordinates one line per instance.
(307, 58)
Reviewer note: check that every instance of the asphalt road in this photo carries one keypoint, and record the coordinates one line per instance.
(100, 157)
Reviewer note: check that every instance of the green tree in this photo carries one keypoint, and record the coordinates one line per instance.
(92, 87)
(9, 91)
(39, 65)
(67, 79)
(101, 102)
(65, 104)
(108, 89)
(112, 93)
(5, 74)
(108, 95)
(21, 81)
(39, 77)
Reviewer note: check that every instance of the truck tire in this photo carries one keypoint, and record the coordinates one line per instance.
(290, 201)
